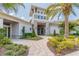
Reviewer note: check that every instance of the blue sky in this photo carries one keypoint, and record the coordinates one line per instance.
(24, 13)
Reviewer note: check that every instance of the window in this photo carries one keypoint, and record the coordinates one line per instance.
(41, 17)
(23, 29)
(38, 16)
(35, 16)
(30, 29)
(44, 17)
(41, 12)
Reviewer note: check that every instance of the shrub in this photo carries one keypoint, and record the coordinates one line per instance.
(28, 35)
(9, 53)
(71, 36)
(61, 43)
(59, 38)
(51, 35)
(53, 42)
(69, 44)
(2, 33)
(21, 51)
(15, 49)
(62, 31)
(9, 47)
(5, 40)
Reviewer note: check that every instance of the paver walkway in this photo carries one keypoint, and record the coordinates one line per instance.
(37, 48)
(76, 53)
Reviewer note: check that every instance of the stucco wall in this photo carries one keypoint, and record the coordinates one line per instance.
(28, 27)
(54, 27)
(15, 28)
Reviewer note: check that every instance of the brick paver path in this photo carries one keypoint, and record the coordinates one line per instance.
(36, 48)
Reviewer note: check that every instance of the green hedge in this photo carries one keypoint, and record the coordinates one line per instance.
(27, 35)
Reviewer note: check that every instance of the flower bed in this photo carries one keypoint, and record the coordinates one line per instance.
(62, 46)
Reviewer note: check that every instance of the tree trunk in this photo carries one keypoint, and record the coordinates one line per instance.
(33, 30)
(66, 27)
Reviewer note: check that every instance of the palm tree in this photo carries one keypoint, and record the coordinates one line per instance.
(33, 29)
(11, 6)
(64, 9)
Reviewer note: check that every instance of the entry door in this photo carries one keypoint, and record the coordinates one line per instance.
(41, 31)
(7, 30)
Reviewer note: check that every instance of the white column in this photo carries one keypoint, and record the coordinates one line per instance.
(1, 23)
(10, 30)
(47, 29)
(35, 27)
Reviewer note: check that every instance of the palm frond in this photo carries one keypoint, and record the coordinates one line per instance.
(53, 6)
(21, 4)
(76, 5)
(12, 6)
(59, 15)
(73, 12)
(9, 6)
(53, 12)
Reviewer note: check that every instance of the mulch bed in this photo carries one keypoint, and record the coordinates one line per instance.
(33, 38)
(64, 52)
(2, 50)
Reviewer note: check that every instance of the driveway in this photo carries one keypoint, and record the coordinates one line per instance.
(36, 48)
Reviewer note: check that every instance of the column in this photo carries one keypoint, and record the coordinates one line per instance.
(1, 23)
(47, 29)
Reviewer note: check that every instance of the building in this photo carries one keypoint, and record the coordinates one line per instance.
(13, 25)
(42, 26)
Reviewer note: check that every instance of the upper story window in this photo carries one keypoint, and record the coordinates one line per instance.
(38, 11)
(44, 17)
(38, 16)
(35, 16)
(41, 12)
(41, 17)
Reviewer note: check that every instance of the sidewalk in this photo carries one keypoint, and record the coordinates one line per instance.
(37, 48)
(76, 53)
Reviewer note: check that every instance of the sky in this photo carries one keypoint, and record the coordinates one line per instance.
(24, 12)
